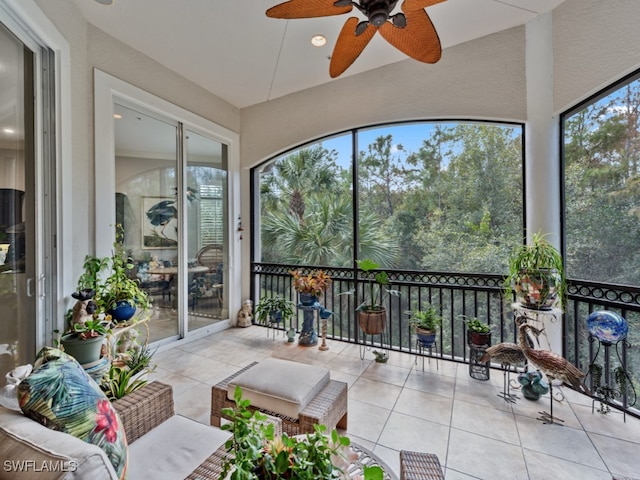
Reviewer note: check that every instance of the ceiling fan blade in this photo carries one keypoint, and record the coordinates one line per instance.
(307, 9)
(418, 39)
(413, 5)
(349, 46)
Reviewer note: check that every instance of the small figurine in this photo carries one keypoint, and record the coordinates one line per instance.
(245, 315)
(84, 308)
(128, 342)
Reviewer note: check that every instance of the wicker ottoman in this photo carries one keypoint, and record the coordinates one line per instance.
(328, 406)
(420, 466)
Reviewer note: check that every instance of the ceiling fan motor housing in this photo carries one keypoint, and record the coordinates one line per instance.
(378, 11)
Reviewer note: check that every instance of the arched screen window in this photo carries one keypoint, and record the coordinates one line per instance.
(443, 196)
(602, 185)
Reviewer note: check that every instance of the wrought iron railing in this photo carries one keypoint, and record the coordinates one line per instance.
(457, 296)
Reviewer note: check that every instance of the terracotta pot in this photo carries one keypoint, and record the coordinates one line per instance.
(373, 323)
(479, 339)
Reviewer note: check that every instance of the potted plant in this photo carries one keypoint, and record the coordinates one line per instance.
(118, 294)
(257, 453)
(425, 323)
(536, 274)
(372, 315)
(84, 341)
(128, 373)
(311, 285)
(478, 333)
(274, 310)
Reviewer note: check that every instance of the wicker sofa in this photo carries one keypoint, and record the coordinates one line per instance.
(162, 445)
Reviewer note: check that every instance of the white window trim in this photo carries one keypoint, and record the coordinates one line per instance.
(107, 89)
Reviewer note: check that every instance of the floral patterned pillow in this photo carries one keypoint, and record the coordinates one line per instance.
(61, 396)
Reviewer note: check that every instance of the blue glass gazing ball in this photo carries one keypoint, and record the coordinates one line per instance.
(608, 327)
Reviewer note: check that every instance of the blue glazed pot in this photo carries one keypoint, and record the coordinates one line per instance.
(308, 299)
(427, 338)
(123, 311)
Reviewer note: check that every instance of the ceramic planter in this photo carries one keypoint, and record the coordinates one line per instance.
(123, 311)
(85, 351)
(308, 299)
(537, 289)
(427, 338)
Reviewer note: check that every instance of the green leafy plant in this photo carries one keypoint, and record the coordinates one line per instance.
(269, 308)
(118, 285)
(92, 266)
(476, 325)
(90, 329)
(536, 273)
(377, 282)
(426, 319)
(126, 378)
(256, 452)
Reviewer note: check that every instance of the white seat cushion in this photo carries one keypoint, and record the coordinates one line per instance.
(280, 386)
(173, 449)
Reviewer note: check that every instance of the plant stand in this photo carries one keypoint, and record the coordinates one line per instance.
(368, 345)
(308, 336)
(611, 388)
(477, 369)
(420, 347)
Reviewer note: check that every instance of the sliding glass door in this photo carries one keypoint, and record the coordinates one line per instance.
(206, 224)
(171, 189)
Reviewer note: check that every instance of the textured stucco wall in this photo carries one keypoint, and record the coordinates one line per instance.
(595, 42)
(480, 79)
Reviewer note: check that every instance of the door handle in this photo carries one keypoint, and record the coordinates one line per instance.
(29, 286)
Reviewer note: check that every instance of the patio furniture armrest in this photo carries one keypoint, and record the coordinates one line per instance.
(145, 409)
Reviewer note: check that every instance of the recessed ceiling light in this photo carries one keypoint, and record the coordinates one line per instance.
(318, 40)
(117, 115)
(105, 2)
(10, 131)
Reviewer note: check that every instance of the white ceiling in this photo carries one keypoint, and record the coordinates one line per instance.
(232, 49)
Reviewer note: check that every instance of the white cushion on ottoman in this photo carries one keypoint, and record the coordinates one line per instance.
(173, 449)
(280, 386)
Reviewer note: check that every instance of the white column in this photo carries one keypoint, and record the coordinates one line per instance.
(541, 132)
(542, 170)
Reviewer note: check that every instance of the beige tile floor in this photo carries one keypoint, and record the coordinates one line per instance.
(397, 406)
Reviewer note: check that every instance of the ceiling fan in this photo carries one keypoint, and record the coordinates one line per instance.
(411, 31)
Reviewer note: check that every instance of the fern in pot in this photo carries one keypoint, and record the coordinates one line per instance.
(425, 323)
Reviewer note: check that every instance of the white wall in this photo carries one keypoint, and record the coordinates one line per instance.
(90, 47)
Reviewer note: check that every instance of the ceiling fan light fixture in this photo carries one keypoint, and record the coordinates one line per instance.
(318, 40)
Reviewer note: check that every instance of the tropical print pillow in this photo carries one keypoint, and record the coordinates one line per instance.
(61, 396)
